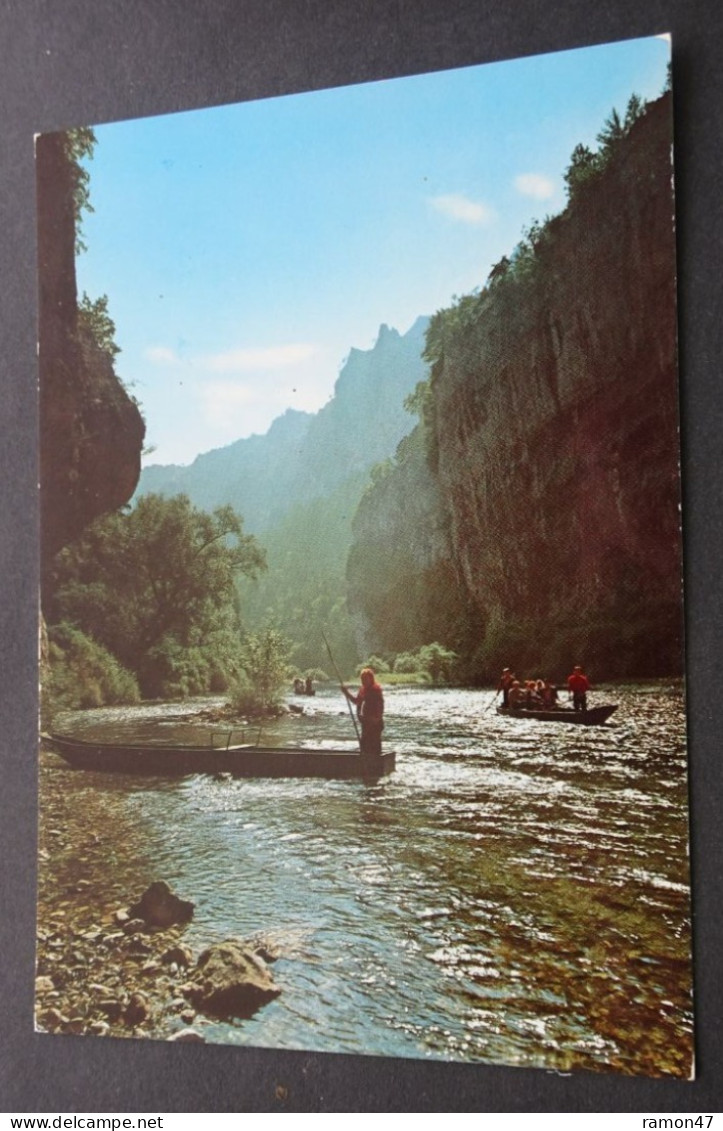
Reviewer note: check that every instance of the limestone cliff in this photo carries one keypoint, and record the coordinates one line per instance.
(553, 432)
(91, 431)
(403, 586)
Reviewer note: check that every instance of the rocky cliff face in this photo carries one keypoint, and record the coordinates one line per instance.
(555, 432)
(91, 431)
(365, 419)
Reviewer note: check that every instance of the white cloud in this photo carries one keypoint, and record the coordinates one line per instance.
(162, 355)
(535, 185)
(268, 357)
(225, 403)
(459, 207)
(242, 360)
(236, 406)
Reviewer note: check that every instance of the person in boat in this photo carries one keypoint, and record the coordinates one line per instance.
(369, 703)
(506, 680)
(517, 696)
(532, 699)
(578, 685)
(308, 686)
(549, 695)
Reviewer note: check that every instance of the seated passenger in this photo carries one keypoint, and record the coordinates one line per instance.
(549, 694)
(532, 699)
(516, 696)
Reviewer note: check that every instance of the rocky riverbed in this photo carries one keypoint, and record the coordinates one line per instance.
(111, 956)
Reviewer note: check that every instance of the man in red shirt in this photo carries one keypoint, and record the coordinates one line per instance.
(579, 685)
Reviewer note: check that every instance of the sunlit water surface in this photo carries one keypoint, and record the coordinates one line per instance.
(516, 892)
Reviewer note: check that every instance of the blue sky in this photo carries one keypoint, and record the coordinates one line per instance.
(245, 249)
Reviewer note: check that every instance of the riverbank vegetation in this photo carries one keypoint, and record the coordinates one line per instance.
(432, 663)
(145, 603)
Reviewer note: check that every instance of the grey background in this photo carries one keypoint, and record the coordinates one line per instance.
(72, 62)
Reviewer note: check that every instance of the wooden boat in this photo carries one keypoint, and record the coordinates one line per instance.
(244, 760)
(592, 717)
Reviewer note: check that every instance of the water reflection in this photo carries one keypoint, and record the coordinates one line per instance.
(514, 893)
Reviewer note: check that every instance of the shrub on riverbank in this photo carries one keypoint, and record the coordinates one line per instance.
(81, 673)
(258, 688)
(405, 679)
(432, 663)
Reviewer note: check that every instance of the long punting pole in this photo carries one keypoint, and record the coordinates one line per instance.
(341, 685)
(492, 702)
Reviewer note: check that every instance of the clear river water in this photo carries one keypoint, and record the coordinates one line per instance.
(516, 892)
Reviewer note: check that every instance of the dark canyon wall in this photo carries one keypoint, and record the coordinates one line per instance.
(91, 431)
(403, 585)
(552, 436)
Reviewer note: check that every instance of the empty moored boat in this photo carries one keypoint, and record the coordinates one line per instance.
(243, 760)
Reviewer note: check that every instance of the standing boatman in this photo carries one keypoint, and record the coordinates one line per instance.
(369, 702)
(506, 681)
(578, 685)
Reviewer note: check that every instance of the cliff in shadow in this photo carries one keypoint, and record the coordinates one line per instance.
(403, 587)
(91, 430)
(551, 423)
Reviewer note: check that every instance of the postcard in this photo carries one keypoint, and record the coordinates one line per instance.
(363, 711)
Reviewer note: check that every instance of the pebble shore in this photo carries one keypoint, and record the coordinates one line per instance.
(97, 972)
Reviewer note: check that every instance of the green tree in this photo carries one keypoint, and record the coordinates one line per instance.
(95, 321)
(612, 132)
(584, 167)
(616, 128)
(634, 110)
(377, 663)
(265, 668)
(438, 661)
(157, 579)
(79, 146)
(498, 271)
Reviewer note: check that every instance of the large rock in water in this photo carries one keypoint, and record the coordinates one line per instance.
(230, 980)
(159, 907)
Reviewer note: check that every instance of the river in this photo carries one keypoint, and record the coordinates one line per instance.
(516, 892)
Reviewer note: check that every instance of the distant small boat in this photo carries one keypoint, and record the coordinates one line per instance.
(592, 717)
(302, 688)
(244, 760)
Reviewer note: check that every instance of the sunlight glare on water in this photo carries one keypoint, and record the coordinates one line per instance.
(516, 892)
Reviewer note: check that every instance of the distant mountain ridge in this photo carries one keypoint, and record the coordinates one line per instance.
(304, 456)
(255, 475)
